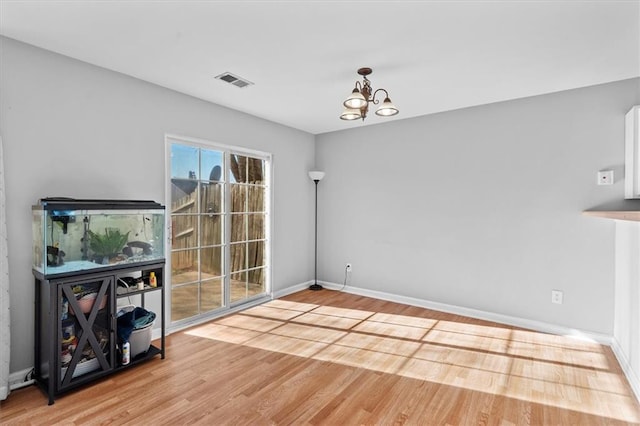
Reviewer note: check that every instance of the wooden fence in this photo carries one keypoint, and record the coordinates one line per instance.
(244, 226)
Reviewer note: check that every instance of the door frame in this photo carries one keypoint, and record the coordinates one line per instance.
(227, 307)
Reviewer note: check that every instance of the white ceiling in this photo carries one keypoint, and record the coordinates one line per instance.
(431, 56)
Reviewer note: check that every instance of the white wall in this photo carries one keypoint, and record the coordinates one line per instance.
(481, 207)
(626, 330)
(72, 129)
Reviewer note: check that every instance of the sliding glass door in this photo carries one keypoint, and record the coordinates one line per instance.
(218, 202)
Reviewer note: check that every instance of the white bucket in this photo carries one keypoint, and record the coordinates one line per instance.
(140, 338)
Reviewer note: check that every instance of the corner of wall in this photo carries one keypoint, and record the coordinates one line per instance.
(631, 376)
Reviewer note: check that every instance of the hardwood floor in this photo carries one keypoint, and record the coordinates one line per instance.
(331, 358)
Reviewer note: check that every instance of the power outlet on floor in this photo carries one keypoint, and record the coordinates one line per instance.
(556, 297)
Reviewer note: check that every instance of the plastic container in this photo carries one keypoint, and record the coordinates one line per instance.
(86, 303)
(140, 338)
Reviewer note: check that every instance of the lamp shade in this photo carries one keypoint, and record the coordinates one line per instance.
(387, 108)
(315, 175)
(355, 100)
(350, 114)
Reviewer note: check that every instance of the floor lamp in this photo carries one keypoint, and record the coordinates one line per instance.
(316, 177)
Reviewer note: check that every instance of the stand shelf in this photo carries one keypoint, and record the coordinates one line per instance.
(76, 329)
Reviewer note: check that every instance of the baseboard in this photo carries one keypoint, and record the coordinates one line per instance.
(474, 313)
(293, 289)
(20, 379)
(632, 378)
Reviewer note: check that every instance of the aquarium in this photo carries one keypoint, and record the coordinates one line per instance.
(71, 235)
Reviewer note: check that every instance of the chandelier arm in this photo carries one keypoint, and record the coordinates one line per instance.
(373, 98)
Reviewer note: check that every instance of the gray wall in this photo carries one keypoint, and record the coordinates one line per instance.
(72, 129)
(481, 207)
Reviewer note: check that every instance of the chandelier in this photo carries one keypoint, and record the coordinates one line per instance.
(357, 104)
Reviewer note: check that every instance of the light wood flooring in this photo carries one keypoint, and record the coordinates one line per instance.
(330, 358)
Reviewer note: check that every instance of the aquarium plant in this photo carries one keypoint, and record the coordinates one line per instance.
(107, 245)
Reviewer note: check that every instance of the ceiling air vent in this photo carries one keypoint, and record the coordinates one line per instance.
(234, 79)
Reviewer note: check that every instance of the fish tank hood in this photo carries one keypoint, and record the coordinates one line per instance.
(72, 235)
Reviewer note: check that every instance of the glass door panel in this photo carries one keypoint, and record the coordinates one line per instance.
(255, 282)
(212, 294)
(184, 267)
(218, 228)
(184, 301)
(238, 285)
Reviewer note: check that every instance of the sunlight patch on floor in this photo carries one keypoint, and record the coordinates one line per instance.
(519, 343)
(483, 343)
(294, 306)
(425, 323)
(342, 312)
(272, 312)
(589, 359)
(362, 358)
(223, 333)
(327, 321)
(287, 345)
(380, 344)
(537, 367)
(249, 323)
(305, 332)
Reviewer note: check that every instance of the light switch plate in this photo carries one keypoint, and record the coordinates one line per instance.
(605, 177)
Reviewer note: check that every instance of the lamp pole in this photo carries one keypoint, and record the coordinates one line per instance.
(316, 177)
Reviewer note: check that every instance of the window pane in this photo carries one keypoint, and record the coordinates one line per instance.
(255, 283)
(255, 171)
(238, 252)
(184, 266)
(211, 294)
(211, 165)
(237, 168)
(211, 197)
(255, 199)
(211, 262)
(184, 162)
(255, 254)
(238, 198)
(183, 196)
(184, 302)
(184, 231)
(256, 226)
(211, 230)
(238, 227)
(238, 286)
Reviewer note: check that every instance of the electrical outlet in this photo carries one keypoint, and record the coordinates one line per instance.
(605, 177)
(348, 267)
(556, 297)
